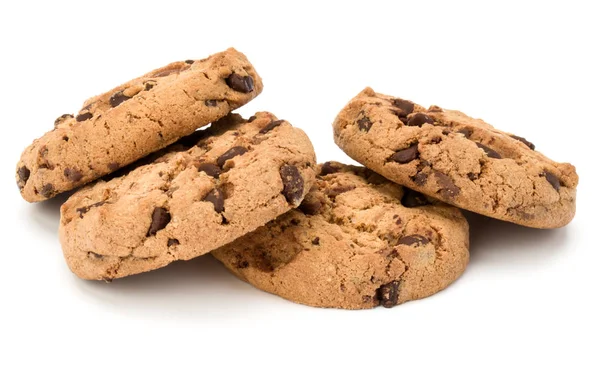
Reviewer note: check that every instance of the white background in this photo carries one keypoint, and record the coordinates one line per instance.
(526, 304)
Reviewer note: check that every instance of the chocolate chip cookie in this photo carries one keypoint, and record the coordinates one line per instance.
(457, 159)
(133, 120)
(237, 175)
(357, 241)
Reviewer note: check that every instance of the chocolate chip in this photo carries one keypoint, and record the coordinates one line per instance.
(62, 118)
(420, 178)
(113, 166)
(404, 106)
(84, 116)
(251, 118)
(419, 119)
(526, 142)
(189, 61)
(23, 174)
(310, 207)
(118, 98)
(387, 294)
(148, 85)
(472, 176)
(47, 190)
(413, 239)
(95, 255)
(230, 154)
(316, 241)
(488, 151)
(406, 155)
(270, 126)
(215, 196)
(73, 174)
(293, 184)
(364, 124)
(328, 168)
(413, 199)
(210, 103)
(210, 169)
(160, 218)
(65, 138)
(448, 189)
(335, 191)
(172, 242)
(466, 132)
(83, 210)
(552, 179)
(240, 83)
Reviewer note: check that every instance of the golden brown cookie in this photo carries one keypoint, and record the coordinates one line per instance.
(357, 241)
(458, 159)
(133, 120)
(239, 175)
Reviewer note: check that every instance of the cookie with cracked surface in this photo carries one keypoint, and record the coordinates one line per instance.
(133, 120)
(357, 241)
(458, 159)
(204, 192)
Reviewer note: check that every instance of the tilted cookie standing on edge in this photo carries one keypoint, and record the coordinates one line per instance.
(134, 120)
(458, 159)
(357, 241)
(239, 175)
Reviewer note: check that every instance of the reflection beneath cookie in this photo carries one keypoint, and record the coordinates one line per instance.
(499, 242)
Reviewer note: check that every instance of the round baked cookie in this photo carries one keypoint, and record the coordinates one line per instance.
(357, 241)
(239, 175)
(134, 120)
(458, 159)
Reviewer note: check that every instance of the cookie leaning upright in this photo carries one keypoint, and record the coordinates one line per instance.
(239, 175)
(457, 159)
(131, 121)
(357, 241)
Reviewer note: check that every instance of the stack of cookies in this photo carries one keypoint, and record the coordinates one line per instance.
(167, 172)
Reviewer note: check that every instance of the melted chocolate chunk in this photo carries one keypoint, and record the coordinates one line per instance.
(310, 207)
(328, 168)
(73, 174)
(419, 119)
(215, 196)
(84, 116)
(172, 242)
(47, 190)
(61, 119)
(270, 126)
(240, 83)
(406, 155)
(210, 169)
(387, 294)
(118, 98)
(293, 184)
(488, 151)
(413, 239)
(364, 124)
(160, 218)
(405, 107)
(23, 174)
(552, 179)
(525, 141)
(448, 190)
(413, 199)
(230, 154)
